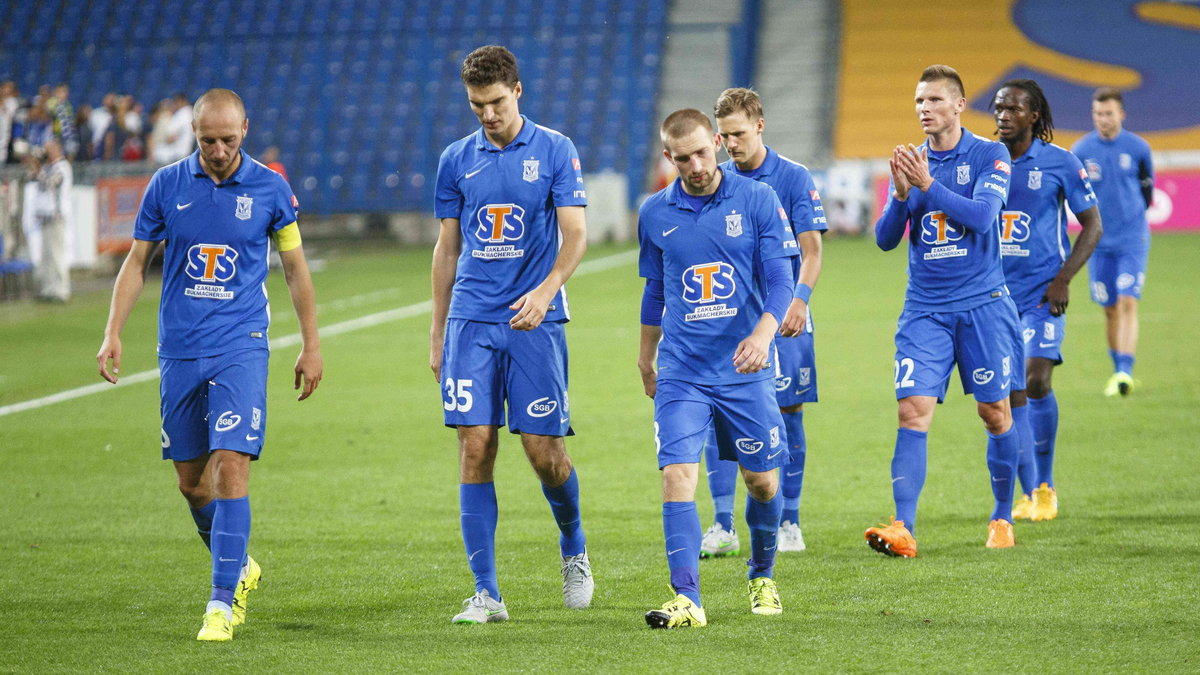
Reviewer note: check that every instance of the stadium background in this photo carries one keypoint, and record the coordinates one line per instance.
(361, 96)
(355, 512)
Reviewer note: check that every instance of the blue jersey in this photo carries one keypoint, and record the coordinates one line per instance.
(794, 186)
(951, 267)
(214, 295)
(505, 200)
(1033, 225)
(1116, 169)
(710, 264)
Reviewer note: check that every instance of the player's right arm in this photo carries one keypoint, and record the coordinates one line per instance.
(445, 266)
(130, 281)
(889, 229)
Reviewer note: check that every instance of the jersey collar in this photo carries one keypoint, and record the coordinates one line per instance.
(194, 168)
(1034, 149)
(770, 162)
(675, 196)
(964, 144)
(524, 137)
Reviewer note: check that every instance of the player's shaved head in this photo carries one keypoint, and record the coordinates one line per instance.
(739, 99)
(222, 99)
(683, 122)
(936, 73)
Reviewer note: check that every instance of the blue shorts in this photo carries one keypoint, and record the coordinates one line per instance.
(1043, 333)
(746, 418)
(983, 341)
(486, 364)
(1113, 274)
(213, 403)
(796, 370)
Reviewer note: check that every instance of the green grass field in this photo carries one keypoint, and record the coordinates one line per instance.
(356, 513)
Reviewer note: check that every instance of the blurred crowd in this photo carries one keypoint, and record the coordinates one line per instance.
(117, 128)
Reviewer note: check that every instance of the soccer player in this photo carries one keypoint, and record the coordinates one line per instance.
(740, 124)
(1039, 264)
(216, 209)
(956, 307)
(511, 200)
(715, 250)
(1119, 166)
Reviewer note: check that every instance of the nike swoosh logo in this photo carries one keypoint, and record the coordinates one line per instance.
(776, 454)
(794, 473)
(802, 391)
(562, 420)
(996, 480)
(472, 173)
(1044, 345)
(769, 548)
(251, 438)
(666, 232)
(897, 478)
(472, 556)
(227, 559)
(709, 473)
(674, 552)
(180, 207)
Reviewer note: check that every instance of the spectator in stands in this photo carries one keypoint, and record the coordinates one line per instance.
(38, 128)
(180, 139)
(158, 139)
(62, 115)
(52, 209)
(99, 121)
(85, 132)
(129, 119)
(9, 102)
(270, 157)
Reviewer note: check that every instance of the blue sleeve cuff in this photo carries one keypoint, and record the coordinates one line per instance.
(803, 292)
(653, 303)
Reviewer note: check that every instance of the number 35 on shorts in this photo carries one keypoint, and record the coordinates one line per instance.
(458, 395)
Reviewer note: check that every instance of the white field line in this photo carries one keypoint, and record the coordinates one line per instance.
(386, 316)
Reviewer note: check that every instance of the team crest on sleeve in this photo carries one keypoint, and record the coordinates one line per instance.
(575, 164)
(295, 202)
(531, 170)
(1035, 180)
(964, 174)
(1002, 165)
(733, 224)
(814, 195)
(244, 203)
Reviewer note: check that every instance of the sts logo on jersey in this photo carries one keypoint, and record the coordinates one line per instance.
(498, 223)
(1014, 229)
(704, 285)
(211, 264)
(936, 231)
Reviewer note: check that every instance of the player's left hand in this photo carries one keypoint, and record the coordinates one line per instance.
(1057, 294)
(752, 353)
(531, 309)
(309, 369)
(914, 164)
(795, 319)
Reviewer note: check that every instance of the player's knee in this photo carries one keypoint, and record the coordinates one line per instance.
(997, 416)
(789, 409)
(197, 495)
(912, 415)
(761, 485)
(1037, 384)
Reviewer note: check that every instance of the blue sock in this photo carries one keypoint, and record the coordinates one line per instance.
(204, 519)
(1124, 363)
(681, 527)
(478, 516)
(908, 474)
(230, 536)
(1043, 417)
(1113, 354)
(722, 481)
(564, 504)
(763, 520)
(1026, 469)
(792, 480)
(1001, 461)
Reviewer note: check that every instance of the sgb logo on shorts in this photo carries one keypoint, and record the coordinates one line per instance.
(936, 230)
(227, 421)
(211, 262)
(708, 282)
(1014, 226)
(500, 222)
(748, 446)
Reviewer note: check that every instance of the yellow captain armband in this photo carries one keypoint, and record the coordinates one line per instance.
(287, 238)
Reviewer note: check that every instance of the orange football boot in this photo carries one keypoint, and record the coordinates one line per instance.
(1000, 534)
(892, 539)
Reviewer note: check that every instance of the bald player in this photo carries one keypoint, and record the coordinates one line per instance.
(217, 211)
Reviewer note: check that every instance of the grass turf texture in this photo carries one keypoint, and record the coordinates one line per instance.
(356, 515)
